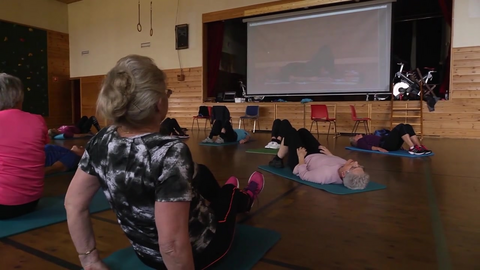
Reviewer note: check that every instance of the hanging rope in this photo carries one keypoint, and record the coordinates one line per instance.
(151, 18)
(139, 25)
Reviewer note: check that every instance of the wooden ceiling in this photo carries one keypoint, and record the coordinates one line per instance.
(69, 1)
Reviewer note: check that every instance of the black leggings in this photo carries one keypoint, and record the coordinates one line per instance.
(226, 202)
(11, 211)
(279, 125)
(85, 124)
(229, 136)
(393, 141)
(170, 126)
(294, 139)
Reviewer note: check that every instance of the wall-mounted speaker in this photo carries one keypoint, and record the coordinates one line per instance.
(181, 36)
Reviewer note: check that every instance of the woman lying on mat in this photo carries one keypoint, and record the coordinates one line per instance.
(315, 163)
(150, 180)
(170, 127)
(22, 155)
(402, 133)
(80, 130)
(61, 159)
(225, 134)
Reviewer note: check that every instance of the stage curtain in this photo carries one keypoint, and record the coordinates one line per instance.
(214, 54)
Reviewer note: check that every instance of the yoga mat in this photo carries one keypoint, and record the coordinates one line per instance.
(50, 210)
(331, 188)
(249, 246)
(398, 153)
(61, 137)
(265, 151)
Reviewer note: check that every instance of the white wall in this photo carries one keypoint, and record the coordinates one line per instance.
(107, 29)
(466, 23)
(46, 14)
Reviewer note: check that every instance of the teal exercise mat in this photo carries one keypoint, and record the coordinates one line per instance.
(62, 137)
(264, 151)
(331, 188)
(398, 153)
(50, 210)
(249, 246)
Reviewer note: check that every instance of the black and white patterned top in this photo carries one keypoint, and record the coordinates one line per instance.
(136, 172)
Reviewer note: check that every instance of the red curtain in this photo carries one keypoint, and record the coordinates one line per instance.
(447, 7)
(215, 33)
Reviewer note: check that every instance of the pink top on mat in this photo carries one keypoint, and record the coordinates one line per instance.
(320, 168)
(22, 156)
(69, 131)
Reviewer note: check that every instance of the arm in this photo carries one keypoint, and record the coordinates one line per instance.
(376, 148)
(80, 192)
(171, 219)
(302, 171)
(245, 140)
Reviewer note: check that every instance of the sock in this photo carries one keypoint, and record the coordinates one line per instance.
(277, 157)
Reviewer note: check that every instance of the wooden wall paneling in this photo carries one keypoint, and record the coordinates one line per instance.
(187, 95)
(89, 90)
(58, 70)
(294, 112)
(275, 7)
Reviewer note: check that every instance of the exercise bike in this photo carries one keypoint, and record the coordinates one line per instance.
(405, 88)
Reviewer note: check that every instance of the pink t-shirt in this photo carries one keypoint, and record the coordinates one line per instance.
(22, 156)
(320, 168)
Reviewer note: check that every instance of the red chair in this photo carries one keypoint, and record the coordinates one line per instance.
(319, 113)
(206, 117)
(358, 121)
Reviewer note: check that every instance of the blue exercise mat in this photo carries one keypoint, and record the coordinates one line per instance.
(249, 246)
(62, 137)
(331, 188)
(398, 153)
(50, 210)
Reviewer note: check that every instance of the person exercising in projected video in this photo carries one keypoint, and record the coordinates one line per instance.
(322, 64)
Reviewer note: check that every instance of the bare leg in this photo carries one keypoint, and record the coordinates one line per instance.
(407, 140)
(283, 151)
(415, 140)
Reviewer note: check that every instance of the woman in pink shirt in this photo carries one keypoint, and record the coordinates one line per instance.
(22, 155)
(315, 163)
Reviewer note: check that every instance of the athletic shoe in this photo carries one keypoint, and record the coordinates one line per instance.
(233, 181)
(219, 140)
(416, 150)
(276, 163)
(207, 140)
(255, 186)
(272, 145)
(95, 123)
(425, 149)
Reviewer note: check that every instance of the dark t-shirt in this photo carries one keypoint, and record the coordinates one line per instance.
(136, 172)
(367, 141)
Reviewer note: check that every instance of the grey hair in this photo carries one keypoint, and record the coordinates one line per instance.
(131, 91)
(11, 91)
(356, 181)
(352, 141)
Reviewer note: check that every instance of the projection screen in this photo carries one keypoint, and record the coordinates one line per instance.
(335, 50)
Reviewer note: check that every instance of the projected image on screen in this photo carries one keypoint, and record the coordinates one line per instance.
(337, 52)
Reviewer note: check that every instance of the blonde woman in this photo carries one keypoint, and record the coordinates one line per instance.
(147, 178)
(22, 157)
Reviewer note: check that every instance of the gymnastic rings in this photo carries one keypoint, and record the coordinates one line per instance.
(139, 25)
(151, 18)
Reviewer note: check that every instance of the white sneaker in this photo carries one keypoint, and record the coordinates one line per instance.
(275, 145)
(207, 140)
(219, 140)
(269, 145)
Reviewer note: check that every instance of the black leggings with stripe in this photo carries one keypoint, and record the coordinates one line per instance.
(226, 202)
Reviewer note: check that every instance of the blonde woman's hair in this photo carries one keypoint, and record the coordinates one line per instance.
(11, 91)
(131, 92)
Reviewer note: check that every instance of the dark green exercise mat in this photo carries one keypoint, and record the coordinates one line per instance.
(264, 151)
(331, 188)
(249, 246)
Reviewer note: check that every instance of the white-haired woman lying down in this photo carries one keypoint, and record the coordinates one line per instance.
(315, 163)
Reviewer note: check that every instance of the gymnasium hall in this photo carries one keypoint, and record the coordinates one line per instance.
(344, 70)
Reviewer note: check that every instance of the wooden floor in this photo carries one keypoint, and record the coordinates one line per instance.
(425, 219)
